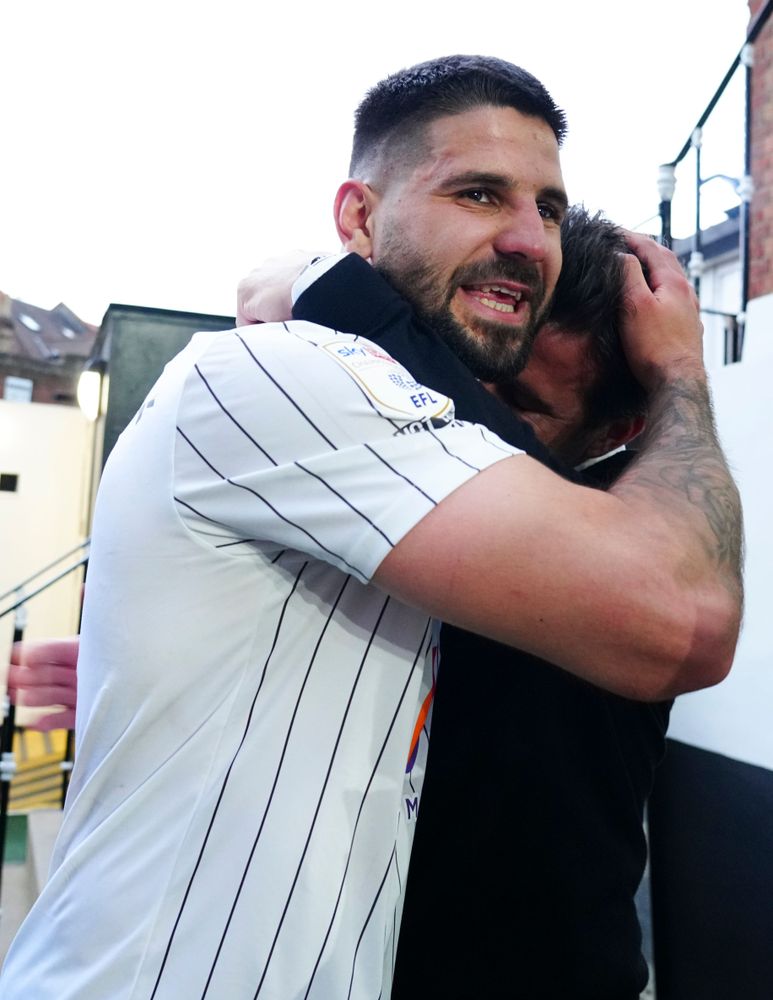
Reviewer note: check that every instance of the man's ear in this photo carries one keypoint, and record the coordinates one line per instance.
(614, 435)
(354, 204)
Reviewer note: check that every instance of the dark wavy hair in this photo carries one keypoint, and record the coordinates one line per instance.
(391, 119)
(589, 297)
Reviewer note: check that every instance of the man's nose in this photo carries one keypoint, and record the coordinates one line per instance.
(522, 233)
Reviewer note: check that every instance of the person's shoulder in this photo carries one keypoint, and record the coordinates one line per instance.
(320, 360)
(292, 342)
(286, 336)
(296, 337)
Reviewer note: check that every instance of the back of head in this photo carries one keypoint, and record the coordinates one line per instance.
(589, 298)
(391, 117)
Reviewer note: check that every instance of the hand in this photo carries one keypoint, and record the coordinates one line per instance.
(264, 295)
(44, 673)
(662, 330)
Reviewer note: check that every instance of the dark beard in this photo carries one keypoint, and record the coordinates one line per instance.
(492, 351)
(495, 357)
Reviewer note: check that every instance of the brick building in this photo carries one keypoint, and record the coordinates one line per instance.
(42, 351)
(761, 226)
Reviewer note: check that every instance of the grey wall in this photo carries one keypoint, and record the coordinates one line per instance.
(138, 342)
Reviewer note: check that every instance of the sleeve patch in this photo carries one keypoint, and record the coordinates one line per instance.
(390, 386)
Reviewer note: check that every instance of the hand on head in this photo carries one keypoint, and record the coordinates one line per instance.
(662, 330)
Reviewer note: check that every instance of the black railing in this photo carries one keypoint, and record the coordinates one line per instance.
(744, 188)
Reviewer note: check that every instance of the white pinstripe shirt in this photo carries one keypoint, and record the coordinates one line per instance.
(240, 817)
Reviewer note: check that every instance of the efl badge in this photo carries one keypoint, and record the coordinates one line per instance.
(391, 388)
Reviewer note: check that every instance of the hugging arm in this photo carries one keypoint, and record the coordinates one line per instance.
(637, 590)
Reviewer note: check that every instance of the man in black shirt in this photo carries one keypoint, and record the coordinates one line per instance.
(456, 195)
(530, 844)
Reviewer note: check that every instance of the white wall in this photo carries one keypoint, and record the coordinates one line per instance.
(720, 290)
(49, 448)
(736, 717)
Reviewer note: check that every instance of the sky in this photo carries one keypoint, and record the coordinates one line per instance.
(154, 152)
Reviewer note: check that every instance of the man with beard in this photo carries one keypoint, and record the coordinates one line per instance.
(244, 721)
(530, 843)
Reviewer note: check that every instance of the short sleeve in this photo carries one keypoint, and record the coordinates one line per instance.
(298, 437)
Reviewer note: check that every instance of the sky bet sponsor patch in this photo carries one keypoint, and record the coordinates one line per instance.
(391, 388)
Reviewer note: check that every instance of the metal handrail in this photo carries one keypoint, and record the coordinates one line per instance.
(759, 23)
(666, 181)
(23, 583)
(54, 579)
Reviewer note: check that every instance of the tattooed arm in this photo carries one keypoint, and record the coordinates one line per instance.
(680, 463)
(637, 590)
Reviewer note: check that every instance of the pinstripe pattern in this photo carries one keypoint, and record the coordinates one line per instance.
(274, 510)
(356, 823)
(230, 415)
(241, 780)
(284, 391)
(225, 780)
(396, 472)
(323, 789)
(392, 858)
(366, 399)
(351, 506)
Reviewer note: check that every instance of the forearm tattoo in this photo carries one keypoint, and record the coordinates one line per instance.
(682, 461)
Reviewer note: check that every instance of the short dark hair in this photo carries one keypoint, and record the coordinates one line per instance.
(398, 108)
(589, 298)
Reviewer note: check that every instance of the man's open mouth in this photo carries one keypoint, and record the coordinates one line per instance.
(495, 296)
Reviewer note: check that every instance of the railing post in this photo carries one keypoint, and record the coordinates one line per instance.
(666, 186)
(7, 756)
(67, 764)
(20, 596)
(745, 192)
(695, 266)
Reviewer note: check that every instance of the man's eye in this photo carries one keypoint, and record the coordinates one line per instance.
(478, 195)
(550, 212)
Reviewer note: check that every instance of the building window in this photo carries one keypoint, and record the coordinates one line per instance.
(17, 390)
(9, 481)
(29, 322)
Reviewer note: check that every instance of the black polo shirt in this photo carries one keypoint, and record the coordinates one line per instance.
(529, 846)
